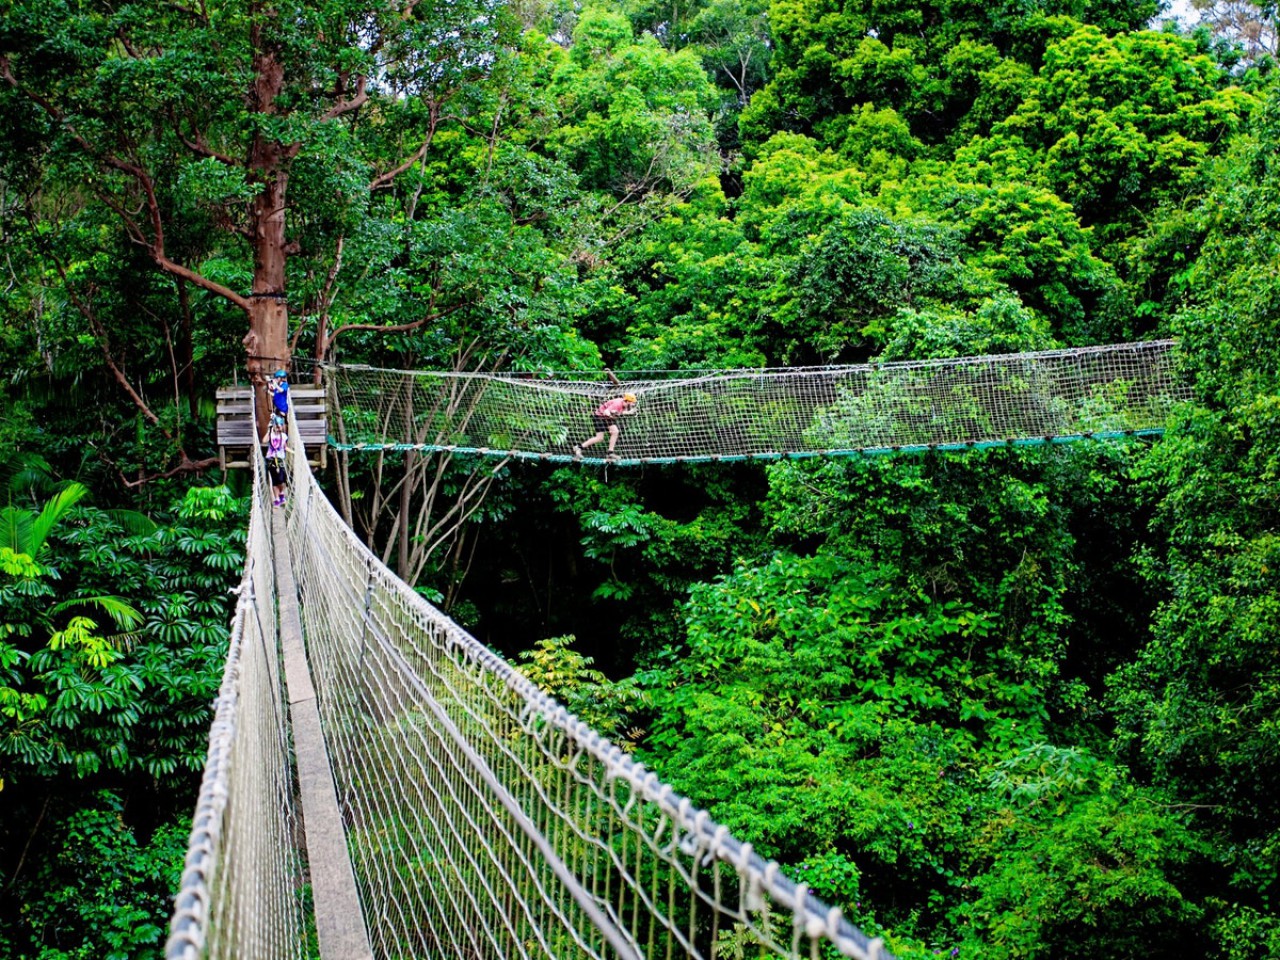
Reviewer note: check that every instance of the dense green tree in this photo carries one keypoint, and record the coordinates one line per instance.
(894, 748)
(1103, 136)
(1027, 239)
(111, 651)
(634, 118)
(184, 126)
(1199, 704)
(97, 890)
(927, 60)
(130, 692)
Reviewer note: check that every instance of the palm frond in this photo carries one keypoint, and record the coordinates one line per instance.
(134, 522)
(15, 528)
(117, 608)
(58, 506)
(25, 472)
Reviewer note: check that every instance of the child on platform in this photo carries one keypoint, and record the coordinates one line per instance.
(278, 387)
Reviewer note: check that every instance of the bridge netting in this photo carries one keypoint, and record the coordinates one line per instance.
(241, 888)
(483, 820)
(961, 403)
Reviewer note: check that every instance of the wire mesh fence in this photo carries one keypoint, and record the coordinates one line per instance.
(242, 892)
(486, 821)
(737, 414)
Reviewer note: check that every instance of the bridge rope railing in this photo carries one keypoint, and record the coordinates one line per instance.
(949, 404)
(485, 820)
(241, 891)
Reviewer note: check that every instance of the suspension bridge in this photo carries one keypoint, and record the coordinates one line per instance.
(380, 784)
(966, 403)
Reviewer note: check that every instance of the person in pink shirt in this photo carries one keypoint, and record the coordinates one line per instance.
(276, 440)
(605, 420)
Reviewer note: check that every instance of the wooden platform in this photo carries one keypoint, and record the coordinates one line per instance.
(238, 434)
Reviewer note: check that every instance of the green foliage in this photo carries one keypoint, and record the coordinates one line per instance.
(633, 116)
(1197, 706)
(876, 711)
(1079, 864)
(25, 531)
(75, 699)
(1106, 138)
(649, 543)
(566, 675)
(1025, 238)
(100, 891)
(83, 709)
(860, 270)
(934, 63)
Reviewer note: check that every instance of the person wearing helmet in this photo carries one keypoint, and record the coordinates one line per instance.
(605, 422)
(275, 440)
(278, 387)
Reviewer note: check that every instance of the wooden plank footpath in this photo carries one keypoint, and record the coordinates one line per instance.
(238, 433)
(340, 926)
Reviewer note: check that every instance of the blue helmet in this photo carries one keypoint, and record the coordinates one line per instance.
(282, 375)
(277, 420)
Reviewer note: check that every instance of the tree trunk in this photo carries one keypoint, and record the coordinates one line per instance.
(267, 342)
(186, 350)
(406, 508)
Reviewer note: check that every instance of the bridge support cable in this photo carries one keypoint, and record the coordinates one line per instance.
(241, 889)
(960, 403)
(484, 820)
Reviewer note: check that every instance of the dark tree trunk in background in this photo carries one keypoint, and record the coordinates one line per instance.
(267, 342)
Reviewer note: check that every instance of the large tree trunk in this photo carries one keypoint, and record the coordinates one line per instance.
(267, 342)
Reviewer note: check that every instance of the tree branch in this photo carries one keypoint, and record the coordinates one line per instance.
(354, 103)
(383, 179)
(155, 245)
(399, 327)
(185, 465)
(178, 270)
(198, 145)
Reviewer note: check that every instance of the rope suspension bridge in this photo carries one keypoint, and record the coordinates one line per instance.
(451, 809)
(722, 415)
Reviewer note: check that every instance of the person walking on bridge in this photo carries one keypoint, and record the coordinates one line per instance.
(605, 421)
(275, 440)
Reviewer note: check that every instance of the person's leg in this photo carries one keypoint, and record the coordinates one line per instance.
(613, 436)
(594, 440)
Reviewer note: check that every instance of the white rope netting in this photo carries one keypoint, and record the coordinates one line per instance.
(486, 821)
(241, 890)
(1026, 398)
